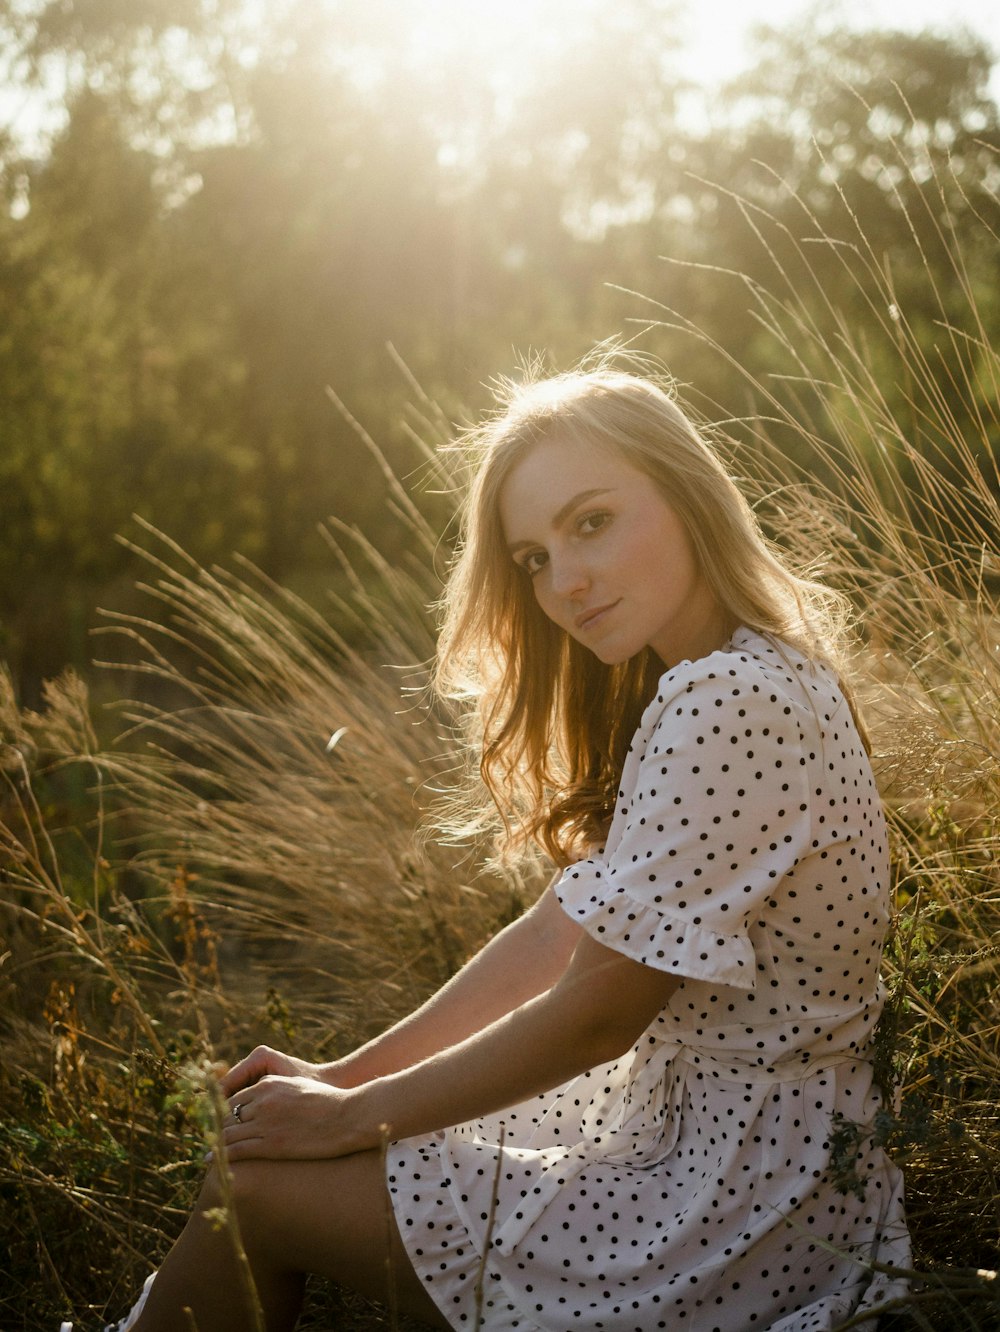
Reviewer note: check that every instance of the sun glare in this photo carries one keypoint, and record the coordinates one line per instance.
(506, 41)
(504, 49)
(484, 39)
(480, 40)
(461, 24)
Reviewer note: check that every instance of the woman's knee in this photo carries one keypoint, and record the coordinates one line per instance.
(246, 1190)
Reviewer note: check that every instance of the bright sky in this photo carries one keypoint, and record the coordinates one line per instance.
(716, 36)
(718, 29)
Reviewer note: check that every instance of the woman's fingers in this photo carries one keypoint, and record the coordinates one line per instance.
(256, 1065)
(242, 1140)
(239, 1108)
(290, 1117)
(265, 1062)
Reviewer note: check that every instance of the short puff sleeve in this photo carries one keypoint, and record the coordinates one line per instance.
(712, 813)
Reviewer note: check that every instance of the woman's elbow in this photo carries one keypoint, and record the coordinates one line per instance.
(603, 1037)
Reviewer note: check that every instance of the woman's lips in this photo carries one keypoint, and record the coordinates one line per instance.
(589, 618)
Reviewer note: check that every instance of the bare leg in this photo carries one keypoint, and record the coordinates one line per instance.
(332, 1218)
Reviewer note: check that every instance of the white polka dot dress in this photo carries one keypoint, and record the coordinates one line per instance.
(688, 1186)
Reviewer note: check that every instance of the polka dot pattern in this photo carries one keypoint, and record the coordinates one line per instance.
(688, 1185)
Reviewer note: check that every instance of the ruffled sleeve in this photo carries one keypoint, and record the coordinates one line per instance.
(714, 809)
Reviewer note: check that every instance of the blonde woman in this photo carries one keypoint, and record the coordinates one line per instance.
(619, 1114)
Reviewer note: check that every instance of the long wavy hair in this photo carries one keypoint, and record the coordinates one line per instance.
(550, 722)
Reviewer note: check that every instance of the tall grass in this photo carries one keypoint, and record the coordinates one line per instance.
(261, 800)
(239, 864)
(872, 458)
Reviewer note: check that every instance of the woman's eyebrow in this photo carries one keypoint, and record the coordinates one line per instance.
(560, 516)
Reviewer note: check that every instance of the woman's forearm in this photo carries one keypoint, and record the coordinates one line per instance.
(521, 962)
(517, 1057)
(592, 1015)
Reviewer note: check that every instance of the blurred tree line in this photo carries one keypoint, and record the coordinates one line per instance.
(247, 202)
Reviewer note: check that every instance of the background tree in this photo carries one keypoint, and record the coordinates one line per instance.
(245, 204)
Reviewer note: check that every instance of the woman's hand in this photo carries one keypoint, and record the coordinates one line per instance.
(294, 1118)
(265, 1062)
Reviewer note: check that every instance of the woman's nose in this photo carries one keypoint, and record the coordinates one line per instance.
(569, 576)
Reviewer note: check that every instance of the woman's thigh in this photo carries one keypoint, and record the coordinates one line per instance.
(333, 1219)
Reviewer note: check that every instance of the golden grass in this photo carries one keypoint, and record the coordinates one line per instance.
(873, 459)
(240, 864)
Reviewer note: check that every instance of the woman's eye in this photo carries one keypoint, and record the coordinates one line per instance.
(534, 563)
(592, 522)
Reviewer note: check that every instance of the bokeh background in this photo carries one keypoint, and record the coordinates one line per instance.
(215, 209)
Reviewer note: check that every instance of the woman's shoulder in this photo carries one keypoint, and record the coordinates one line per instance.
(754, 668)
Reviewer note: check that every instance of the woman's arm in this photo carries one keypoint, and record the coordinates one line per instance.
(517, 964)
(592, 1014)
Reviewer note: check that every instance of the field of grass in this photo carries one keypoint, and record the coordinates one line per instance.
(232, 860)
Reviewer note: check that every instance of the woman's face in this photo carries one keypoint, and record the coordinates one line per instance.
(609, 560)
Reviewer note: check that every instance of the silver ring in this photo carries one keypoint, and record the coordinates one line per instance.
(236, 1112)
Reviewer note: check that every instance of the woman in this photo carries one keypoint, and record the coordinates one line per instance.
(619, 1114)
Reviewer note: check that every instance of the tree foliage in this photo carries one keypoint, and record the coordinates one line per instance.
(244, 204)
